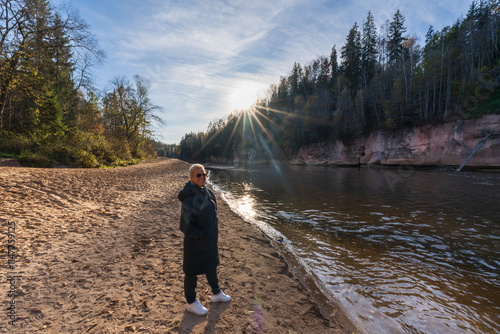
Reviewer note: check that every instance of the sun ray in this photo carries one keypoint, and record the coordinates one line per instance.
(316, 120)
(267, 134)
(272, 109)
(250, 117)
(232, 133)
(243, 129)
(210, 139)
(270, 139)
(267, 118)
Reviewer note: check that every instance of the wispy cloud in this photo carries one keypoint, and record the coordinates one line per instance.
(202, 55)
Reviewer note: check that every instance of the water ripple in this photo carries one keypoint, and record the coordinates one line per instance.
(420, 257)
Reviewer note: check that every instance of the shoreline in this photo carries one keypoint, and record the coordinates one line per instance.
(99, 251)
(327, 164)
(329, 307)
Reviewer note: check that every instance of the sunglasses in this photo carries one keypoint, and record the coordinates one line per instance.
(200, 175)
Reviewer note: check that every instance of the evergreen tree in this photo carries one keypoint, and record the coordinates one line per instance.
(369, 48)
(429, 35)
(294, 80)
(351, 57)
(37, 62)
(396, 38)
(334, 65)
(62, 68)
(324, 74)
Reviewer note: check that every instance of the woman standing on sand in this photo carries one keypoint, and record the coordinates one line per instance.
(199, 223)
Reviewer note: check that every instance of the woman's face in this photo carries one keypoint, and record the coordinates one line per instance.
(199, 177)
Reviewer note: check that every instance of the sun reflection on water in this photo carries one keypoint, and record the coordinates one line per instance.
(246, 206)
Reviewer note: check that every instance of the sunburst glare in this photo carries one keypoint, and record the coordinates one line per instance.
(242, 98)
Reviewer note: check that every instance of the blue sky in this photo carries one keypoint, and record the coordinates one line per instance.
(206, 58)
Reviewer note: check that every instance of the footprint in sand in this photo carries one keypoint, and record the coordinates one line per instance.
(36, 314)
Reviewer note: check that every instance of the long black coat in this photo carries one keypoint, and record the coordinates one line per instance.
(199, 223)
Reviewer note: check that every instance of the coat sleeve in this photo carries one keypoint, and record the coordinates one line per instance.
(188, 213)
(212, 196)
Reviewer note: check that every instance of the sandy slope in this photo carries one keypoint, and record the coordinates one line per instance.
(99, 251)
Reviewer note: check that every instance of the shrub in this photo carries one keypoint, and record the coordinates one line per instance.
(85, 159)
(102, 150)
(491, 105)
(15, 143)
(30, 159)
(59, 153)
(8, 155)
(74, 148)
(121, 148)
(107, 151)
(389, 124)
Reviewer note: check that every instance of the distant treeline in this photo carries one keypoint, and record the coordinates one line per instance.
(49, 111)
(385, 80)
(166, 150)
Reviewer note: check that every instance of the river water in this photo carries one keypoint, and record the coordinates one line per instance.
(400, 250)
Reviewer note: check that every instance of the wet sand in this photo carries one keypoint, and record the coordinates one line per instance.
(100, 251)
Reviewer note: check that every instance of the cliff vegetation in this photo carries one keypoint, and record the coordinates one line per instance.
(379, 80)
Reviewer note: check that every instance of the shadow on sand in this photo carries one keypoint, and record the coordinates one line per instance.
(190, 320)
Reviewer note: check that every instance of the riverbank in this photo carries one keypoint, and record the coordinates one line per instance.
(446, 144)
(99, 251)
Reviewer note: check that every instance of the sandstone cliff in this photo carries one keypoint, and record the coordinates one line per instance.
(447, 144)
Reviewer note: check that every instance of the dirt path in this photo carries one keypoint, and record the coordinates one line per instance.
(99, 251)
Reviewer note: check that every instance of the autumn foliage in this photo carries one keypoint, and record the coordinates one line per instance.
(50, 114)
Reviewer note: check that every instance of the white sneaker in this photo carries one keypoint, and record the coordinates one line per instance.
(221, 297)
(196, 308)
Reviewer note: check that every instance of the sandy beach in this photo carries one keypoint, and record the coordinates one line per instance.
(100, 251)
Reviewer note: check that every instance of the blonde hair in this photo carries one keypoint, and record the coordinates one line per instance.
(195, 167)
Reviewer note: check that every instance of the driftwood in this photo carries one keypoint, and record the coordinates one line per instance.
(477, 149)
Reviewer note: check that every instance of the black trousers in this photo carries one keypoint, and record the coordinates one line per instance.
(190, 282)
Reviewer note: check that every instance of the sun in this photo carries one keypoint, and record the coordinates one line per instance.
(242, 98)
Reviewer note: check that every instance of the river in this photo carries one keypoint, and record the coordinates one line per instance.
(400, 250)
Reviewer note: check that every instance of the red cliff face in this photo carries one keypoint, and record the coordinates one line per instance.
(431, 145)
